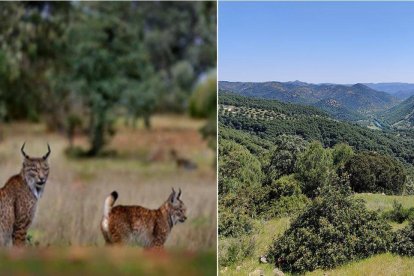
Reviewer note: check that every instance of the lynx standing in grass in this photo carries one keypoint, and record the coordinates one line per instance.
(139, 225)
(18, 199)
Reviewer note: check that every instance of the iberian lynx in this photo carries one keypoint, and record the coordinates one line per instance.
(18, 199)
(141, 226)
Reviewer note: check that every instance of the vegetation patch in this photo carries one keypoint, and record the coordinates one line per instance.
(334, 230)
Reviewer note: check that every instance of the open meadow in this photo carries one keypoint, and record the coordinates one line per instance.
(139, 167)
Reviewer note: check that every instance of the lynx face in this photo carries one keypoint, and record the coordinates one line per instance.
(36, 172)
(177, 208)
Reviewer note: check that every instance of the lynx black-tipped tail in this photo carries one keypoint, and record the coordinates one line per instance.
(109, 202)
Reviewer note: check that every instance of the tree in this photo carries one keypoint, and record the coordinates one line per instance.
(341, 154)
(284, 157)
(314, 168)
(375, 173)
(238, 168)
(203, 104)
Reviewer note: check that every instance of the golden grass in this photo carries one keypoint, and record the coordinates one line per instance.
(70, 210)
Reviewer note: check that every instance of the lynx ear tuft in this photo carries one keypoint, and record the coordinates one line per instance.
(48, 152)
(22, 150)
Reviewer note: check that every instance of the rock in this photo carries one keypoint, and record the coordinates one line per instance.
(278, 272)
(238, 268)
(257, 272)
(263, 259)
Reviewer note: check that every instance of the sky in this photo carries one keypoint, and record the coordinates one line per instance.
(316, 42)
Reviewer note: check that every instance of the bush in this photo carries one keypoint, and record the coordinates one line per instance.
(333, 230)
(399, 214)
(287, 206)
(234, 224)
(403, 241)
(233, 250)
(238, 168)
(375, 173)
(235, 215)
(285, 197)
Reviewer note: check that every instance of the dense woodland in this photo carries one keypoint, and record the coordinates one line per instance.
(79, 66)
(285, 160)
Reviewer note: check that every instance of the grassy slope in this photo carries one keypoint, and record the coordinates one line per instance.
(383, 264)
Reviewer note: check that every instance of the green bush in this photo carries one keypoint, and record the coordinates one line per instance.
(333, 230)
(232, 250)
(399, 214)
(287, 206)
(235, 216)
(403, 241)
(238, 168)
(233, 224)
(285, 197)
(375, 173)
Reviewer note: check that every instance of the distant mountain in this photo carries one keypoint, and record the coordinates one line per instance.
(355, 98)
(402, 115)
(399, 90)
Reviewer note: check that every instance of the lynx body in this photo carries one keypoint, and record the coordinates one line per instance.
(18, 199)
(137, 225)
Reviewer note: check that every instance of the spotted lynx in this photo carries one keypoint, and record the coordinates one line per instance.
(141, 226)
(18, 199)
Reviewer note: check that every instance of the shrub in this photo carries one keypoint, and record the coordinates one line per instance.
(333, 230)
(399, 214)
(232, 250)
(287, 206)
(285, 197)
(238, 168)
(403, 241)
(235, 215)
(375, 173)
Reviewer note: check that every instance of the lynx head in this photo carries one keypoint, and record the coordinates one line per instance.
(35, 171)
(177, 208)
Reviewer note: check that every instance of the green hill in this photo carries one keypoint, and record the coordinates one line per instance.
(268, 119)
(355, 98)
(402, 115)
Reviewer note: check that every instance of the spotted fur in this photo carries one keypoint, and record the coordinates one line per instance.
(18, 199)
(137, 225)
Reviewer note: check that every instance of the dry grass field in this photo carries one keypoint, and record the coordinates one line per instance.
(142, 172)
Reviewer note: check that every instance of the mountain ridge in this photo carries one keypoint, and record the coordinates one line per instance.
(356, 98)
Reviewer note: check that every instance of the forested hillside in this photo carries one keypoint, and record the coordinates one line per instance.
(292, 176)
(269, 119)
(400, 116)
